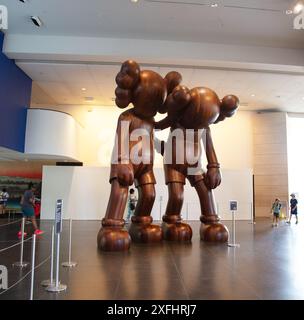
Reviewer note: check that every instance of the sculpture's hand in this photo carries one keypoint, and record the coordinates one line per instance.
(125, 175)
(177, 102)
(213, 178)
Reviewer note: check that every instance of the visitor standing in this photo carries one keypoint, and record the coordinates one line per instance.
(4, 196)
(131, 204)
(27, 206)
(276, 209)
(293, 208)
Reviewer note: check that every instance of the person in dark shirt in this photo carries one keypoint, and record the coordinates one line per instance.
(27, 206)
(293, 208)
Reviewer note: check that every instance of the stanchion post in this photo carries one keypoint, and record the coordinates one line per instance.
(160, 208)
(58, 287)
(33, 267)
(21, 263)
(251, 214)
(187, 211)
(70, 264)
(50, 282)
(233, 208)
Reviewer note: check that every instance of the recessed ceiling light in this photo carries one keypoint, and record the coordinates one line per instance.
(83, 89)
(289, 11)
(253, 95)
(214, 5)
(37, 21)
(298, 7)
(134, 1)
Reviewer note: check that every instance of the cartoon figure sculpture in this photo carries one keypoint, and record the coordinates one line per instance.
(204, 109)
(147, 91)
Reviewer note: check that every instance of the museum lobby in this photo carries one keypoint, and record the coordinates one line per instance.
(71, 73)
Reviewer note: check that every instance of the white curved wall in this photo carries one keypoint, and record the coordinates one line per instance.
(52, 133)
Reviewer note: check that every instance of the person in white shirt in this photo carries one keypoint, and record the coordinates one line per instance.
(132, 204)
(4, 196)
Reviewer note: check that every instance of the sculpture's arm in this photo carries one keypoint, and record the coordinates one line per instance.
(213, 175)
(174, 106)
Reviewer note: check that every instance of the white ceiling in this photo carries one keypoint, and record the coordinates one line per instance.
(252, 22)
(61, 84)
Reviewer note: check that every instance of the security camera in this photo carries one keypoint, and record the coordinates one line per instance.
(24, 1)
(37, 21)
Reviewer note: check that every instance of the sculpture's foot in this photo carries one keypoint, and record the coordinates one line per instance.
(214, 232)
(112, 236)
(175, 230)
(141, 230)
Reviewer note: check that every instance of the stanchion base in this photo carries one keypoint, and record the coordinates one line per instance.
(54, 288)
(69, 264)
(47, 283)
(234, 245)
(21, 264)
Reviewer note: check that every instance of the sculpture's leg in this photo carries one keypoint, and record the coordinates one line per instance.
(174, 229)
(142, 229)
(211, 229)
(112, 236)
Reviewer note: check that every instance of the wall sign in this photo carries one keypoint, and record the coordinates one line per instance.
(58, 216)
(233, 205)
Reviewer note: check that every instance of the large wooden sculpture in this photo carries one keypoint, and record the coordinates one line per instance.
(203, 109)
(187, 110)
(147, 91)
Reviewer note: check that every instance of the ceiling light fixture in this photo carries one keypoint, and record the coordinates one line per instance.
(134, 1)
(83, 89)
(298, 7)
(253, 95)
(37, 21)
(89, 99)
(214, 5)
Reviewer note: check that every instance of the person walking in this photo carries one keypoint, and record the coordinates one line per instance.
(4, 196)
(293, 208)
(131, 204)
(27, 206)
(276, 209)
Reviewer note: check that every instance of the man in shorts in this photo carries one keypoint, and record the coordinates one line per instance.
(293, 208)
(27, 206)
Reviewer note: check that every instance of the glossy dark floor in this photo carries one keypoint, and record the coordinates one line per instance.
(268, 265)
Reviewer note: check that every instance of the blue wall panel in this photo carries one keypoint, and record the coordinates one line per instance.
(15, 95)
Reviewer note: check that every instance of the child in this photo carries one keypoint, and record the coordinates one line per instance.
(276, 208)
(131, 204)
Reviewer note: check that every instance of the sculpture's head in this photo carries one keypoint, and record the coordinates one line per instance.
(228, 107)
(146, 89)
(205, 108)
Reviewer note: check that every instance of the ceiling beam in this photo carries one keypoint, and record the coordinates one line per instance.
(114, 50)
